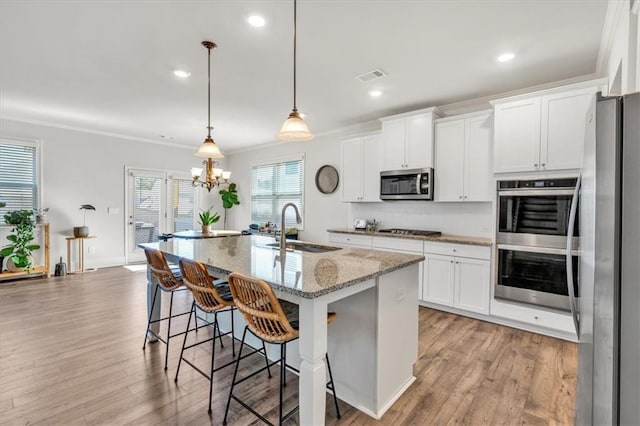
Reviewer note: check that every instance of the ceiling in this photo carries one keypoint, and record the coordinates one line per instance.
(108, 65)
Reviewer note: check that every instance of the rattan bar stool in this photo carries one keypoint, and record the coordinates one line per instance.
(273, 321)
(211, 297)
(169, 280)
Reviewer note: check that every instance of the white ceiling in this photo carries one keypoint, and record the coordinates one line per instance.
(107, 65)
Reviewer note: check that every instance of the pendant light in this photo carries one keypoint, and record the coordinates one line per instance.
(209, 150)
(294, 128)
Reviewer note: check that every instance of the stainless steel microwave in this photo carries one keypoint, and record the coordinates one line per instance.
(413, 184)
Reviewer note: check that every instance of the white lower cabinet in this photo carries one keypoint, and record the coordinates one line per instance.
(438, 279)
(456, 281)
(453, 275)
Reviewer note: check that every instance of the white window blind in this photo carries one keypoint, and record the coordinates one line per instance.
(18, 176)
(183, 202)
(273, 186)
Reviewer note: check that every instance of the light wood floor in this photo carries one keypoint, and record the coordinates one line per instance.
(70, 353)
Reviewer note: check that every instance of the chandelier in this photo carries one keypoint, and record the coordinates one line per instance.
(294, 128)
(214, 176)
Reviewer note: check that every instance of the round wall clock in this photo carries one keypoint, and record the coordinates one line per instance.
(327, 179)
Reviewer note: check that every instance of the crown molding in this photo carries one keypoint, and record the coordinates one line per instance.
(96, 132)
(615, 9)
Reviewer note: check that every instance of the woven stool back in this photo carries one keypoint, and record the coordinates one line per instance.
(160, 270)
(197, 279)
(261, 309)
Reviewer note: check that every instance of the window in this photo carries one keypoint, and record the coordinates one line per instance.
(183, 204)
(19, 175)
(274, 185)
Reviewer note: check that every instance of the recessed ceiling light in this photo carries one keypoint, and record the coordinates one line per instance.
(181, 73)
(375, 93)
(506, 57)
(256, 21)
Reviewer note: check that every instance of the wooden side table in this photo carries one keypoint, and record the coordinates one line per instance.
(80, 254)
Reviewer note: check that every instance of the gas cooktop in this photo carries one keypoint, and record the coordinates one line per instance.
(411, 232)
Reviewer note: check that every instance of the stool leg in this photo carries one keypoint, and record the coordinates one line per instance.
(235, 374)
(333, 386)
(196, 316)
(153, 304)
(166, 354)
(184, 341)
(233, 334)
(213, 357)
(217, 327)
(266, 358)
(283, 373)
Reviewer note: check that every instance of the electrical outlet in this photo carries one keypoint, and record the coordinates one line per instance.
(91, 250)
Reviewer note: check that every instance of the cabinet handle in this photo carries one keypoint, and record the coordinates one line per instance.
(460, 196)
(451, 261)
(543, 164)
(454, 250)
(535, 165)
(457, 263)
(465, 196)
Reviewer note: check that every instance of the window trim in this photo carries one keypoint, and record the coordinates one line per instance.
(276, 160)
(37, 144)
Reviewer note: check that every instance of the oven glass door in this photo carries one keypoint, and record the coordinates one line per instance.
(541, 214)
(535, 275)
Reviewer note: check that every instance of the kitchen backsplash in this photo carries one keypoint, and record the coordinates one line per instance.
(470, 219)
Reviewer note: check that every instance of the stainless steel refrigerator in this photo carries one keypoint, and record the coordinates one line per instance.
(609, 301)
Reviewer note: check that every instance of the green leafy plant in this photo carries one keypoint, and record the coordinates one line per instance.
(229, 199)
(207, 217)
(20, 249)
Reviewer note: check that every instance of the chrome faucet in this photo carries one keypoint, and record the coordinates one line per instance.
(283, 236)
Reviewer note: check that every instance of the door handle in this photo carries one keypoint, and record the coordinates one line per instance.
(569, 265)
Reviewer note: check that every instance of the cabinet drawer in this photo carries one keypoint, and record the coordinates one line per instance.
(459, 250)
(351, 239)
(385, 243)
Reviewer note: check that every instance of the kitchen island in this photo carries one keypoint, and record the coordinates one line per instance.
(373, 343)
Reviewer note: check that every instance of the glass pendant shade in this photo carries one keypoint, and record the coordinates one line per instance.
(209, 149)
(295, 129)
(196, 172)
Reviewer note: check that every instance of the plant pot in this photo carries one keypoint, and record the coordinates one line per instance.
(80, 231)
(1, 264)
(206, 229)
(11, 267)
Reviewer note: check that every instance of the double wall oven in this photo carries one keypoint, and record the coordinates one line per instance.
(538, 241)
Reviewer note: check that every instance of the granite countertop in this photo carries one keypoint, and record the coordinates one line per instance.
(444, 238)
(303, 274)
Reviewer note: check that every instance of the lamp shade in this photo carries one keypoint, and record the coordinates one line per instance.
(294, 129)
(196, 172)
(209, 149)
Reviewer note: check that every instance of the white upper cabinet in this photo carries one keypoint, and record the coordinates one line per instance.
(564, 119)
(361, 168)
(408, 140)
(463, 158)
(542, 131)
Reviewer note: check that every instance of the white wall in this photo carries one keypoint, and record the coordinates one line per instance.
(85, 168)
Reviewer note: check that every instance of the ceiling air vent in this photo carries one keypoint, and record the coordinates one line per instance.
(371, 75)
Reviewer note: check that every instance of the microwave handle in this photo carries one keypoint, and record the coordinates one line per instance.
(570, 231)
(418, 181)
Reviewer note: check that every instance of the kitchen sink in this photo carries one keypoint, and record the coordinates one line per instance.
(304, 246)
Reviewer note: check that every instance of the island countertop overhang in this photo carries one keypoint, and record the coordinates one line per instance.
(303, 274)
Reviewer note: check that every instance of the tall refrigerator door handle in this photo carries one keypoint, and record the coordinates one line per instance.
(572, 223)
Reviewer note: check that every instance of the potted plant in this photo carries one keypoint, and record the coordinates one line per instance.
(20, 249)
(83, 231)
(229, 199)
(208, 218)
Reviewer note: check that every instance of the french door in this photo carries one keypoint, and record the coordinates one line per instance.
(157, 202)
